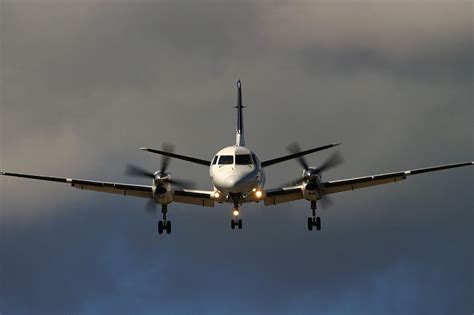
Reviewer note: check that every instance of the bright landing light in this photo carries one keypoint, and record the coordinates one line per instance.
(236, 212)
(216, 194)
(258, 194)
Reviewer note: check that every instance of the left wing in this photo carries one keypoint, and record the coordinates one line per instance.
(281, 195)
(108, 187)
(287, 194)
(336, 186)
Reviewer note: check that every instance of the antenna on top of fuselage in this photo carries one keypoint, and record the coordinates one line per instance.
(239, 137)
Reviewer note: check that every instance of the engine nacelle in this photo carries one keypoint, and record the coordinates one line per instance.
(311, 184)
(162, 194)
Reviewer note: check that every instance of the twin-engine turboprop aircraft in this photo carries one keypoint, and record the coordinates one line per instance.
(238, 177)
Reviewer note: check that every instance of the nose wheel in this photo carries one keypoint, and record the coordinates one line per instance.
(236, 222)
(164, 225)
(314, 221)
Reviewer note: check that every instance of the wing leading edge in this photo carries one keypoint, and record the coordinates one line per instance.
(287, 194)
(188, 196)
(336, 186)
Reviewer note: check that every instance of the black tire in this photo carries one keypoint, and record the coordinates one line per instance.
(318, 223)
(168, 227)
(310, 224)
(232, 224)
(160, 227)
(240, 224)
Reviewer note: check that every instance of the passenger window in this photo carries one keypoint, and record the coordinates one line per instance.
(243, 159)
(226, 159)
(214, 161)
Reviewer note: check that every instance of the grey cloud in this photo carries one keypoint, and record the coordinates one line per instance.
(84, 84)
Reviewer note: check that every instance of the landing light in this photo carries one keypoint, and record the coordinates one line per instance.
(216, 194)
(236, 212)
(258, 193)
(254, 189)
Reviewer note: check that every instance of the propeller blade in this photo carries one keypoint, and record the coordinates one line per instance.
(167, 147)
(183, 183)
(295, 148)
(333, 161)
(133, 170)
(150, 206)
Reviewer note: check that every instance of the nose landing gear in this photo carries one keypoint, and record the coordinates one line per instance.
(164, 225)
(314, 221)
(236, 222)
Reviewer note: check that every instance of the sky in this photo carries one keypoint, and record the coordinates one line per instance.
(84, 84)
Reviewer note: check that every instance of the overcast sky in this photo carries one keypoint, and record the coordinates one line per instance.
(84, 84)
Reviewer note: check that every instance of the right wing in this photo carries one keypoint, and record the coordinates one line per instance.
(193, 197)
(107, 187)
(188, 196)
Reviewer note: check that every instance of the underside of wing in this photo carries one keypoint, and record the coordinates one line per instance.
(194, 197)
(282, 195)
(107, 187)
(336, 186)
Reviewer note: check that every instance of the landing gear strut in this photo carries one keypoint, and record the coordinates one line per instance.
(313, 220)
(164, 225)
(236, 222)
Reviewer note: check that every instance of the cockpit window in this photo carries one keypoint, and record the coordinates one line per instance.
(243, 159)
(255, 159)
(226, 159)
(214, 161)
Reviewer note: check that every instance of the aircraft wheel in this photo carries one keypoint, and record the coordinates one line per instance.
(232, 224)
(310, 224)
(160, 227)
(318, 223)
(168, 227)
(240, 224)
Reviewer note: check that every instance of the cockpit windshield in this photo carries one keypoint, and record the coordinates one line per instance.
(243, 159)
(226, 159)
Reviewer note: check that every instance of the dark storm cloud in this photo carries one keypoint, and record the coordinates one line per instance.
(445, 61)
(86, 83)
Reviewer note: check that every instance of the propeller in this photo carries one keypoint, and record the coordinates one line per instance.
(133, 170)
(311, 174)
(161, 175)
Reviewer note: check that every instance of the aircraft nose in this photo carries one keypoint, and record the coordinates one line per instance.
(232, 181)
(236, 183)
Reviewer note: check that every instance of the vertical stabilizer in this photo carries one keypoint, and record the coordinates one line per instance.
(239, 137)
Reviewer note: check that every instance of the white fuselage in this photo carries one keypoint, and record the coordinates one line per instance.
(236, 170)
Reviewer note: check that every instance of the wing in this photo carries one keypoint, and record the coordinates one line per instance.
(336, 186)
(282, 195)
(114, 188)
(194, 197)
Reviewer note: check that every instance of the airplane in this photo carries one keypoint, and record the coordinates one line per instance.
(238, 177)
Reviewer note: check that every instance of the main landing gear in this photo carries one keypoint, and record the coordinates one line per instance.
(314, 221)
(164, 225)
